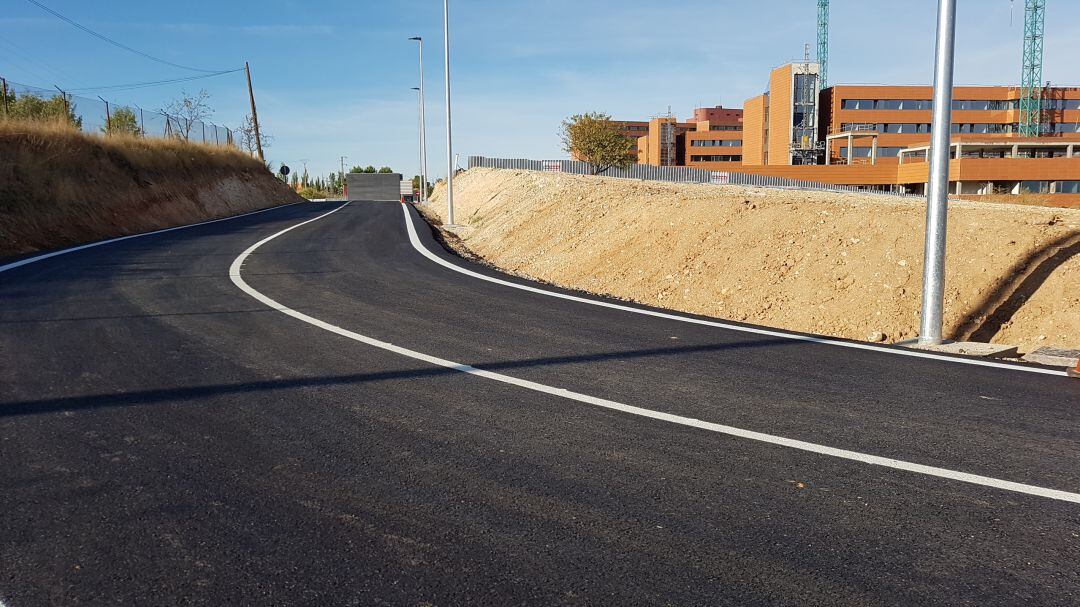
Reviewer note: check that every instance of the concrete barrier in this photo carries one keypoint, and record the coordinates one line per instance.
(373, 186)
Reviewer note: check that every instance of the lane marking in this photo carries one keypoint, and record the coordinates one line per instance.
(237, 265)
(101, 243)
(419, 246)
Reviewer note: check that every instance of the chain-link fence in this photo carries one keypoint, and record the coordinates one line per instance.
(102, 117)
(672, 174)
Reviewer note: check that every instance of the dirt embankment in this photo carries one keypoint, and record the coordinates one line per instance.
(847, 265)
(59, 187)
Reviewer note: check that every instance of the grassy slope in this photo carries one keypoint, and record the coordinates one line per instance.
(60, 187)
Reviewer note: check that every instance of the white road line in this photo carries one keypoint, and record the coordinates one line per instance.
(419, 246)
(237, 265)
(30, 260)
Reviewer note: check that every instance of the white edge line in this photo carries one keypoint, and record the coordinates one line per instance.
(419, 246)
(101, 243)
(237, 265)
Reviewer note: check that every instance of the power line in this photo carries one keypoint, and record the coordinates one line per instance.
(114, 42)
(141, 85)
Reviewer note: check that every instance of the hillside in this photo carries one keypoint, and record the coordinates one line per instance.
(847, 265)
(60, 187)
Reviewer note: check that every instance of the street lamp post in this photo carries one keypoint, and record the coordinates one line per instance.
(423, 178)
(449, 129)
(938, 189)
(344, 188)
(423, 126)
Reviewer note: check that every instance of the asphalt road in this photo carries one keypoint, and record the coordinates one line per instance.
(168, 438)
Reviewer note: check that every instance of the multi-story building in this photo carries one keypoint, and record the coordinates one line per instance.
(713, 137)
(878, 136)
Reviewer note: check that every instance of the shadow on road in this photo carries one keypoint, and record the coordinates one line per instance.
(151, 397)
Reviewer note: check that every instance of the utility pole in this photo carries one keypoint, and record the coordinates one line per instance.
(7, 110)
(254, 112)
(449, 130)
(423, 126)
(938, 192)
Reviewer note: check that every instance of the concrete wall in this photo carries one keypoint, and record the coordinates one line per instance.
(374, 186)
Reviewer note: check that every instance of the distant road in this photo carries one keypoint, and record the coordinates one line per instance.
(317, 405)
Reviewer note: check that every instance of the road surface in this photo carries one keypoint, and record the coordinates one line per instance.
(306, 407)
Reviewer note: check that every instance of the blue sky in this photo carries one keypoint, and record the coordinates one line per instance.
(333, 78)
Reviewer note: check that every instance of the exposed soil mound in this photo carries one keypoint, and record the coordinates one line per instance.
(848, 265)
(59, 187)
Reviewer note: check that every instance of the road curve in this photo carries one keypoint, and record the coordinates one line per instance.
(170, 437)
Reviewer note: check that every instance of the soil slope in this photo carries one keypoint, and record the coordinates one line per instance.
(59, 187)
(847, 265)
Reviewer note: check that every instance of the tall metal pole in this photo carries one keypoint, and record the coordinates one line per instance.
(421, 146)
(449, 129)
(108, 116)
(423, 127)
(938, 191)
(254, 113)
(344, 191)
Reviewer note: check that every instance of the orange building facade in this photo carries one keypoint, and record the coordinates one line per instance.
(877, 137)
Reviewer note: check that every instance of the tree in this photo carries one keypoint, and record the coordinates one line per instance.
(35, 109)
(369, 169)
(294, 180)
(123, 121)
(595, 139)
(386, 170)
(357, 169)
(188, 111)
(305, 179)
(246, 136)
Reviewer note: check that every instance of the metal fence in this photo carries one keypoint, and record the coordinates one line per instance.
(101, 117)
(647, 172)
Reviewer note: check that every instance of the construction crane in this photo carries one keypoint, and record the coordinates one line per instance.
(1031, 83)
(823, 42)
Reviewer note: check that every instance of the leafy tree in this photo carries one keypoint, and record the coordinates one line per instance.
(369, 169)
(595, 139)
(123, 121)
(305, 179)
(386, 170)
(294, 180)
(357, 169)
(188, 111)
(36, 109)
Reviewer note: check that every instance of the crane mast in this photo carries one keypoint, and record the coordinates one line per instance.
(1031, 84)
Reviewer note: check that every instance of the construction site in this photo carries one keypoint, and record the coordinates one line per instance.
(1007, 140)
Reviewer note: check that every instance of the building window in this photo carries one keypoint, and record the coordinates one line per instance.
(1068, 187)
(858, 104)
(715, 158)
(1061, 104)
(724, 127)
(1066, 127)
(1034, 187)
(711, 143)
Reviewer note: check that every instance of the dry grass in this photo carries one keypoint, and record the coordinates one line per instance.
(59, 186)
